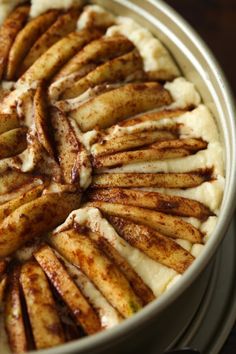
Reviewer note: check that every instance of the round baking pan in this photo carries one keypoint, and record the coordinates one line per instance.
(168, 318)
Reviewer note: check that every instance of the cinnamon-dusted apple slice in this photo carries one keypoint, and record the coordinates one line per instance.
(70, 293)
(166, 224)
(14, 322)
(108, 315)
(158, 180)
(8, 207)
(118, 104)
(25, 39)
(41, 118)
(96, 52)
(152, 200)
(140, 288)
(51, 61)
(152, 116)
(129, 141)
(11, 180)
(3, 279)
(8, 122)
(13, 142)
(189, 144)
(114, 70)
(35, 218)
(68, 148)
(64, 24)
(18, 192)
(3, 283)
(41, 308)
(8, 32)
(129, 157)
(156, 246)
(81, 251)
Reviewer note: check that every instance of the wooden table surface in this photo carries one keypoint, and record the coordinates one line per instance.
(215, 21)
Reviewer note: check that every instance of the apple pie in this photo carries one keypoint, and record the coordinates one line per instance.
(111, 172)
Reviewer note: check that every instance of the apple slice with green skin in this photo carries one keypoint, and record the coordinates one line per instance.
(41, 308)
(168, 225)
(35, 218)
(81, 251)
(70, 293)
(156, 246)
(8, 32)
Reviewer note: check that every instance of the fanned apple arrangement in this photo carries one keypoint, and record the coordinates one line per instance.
(96, 166)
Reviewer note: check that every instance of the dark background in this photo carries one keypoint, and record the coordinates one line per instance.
(215, 21)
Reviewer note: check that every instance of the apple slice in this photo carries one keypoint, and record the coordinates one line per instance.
(189, 144)
(161, 150)
(8, 32)
(81, 251)
(158, 180)
(131, 141)
(138, 285)
(118, 104)
(13, 142)
(156, 246)
(14, 322)
(41, 118)
(25, 39)
(70, 293)
(57, 55)
(152, 200)
(41, 308)
(166, 224)
(35, 218)
(3, 283)
(112, 71)
(10, 180)
(129, 157)
(64, 24)
(68, 148)
(8, 122)
(151, 116)
(96, 52)
(8, 207)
